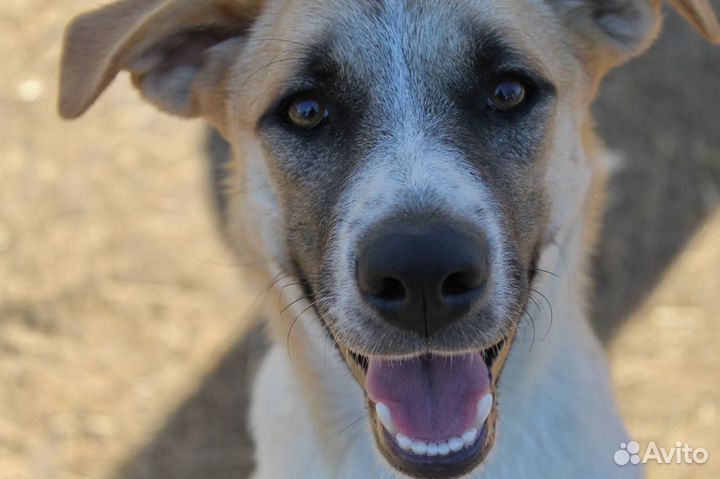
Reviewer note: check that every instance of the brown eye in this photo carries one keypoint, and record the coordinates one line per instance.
(508, 94)
(307, 113)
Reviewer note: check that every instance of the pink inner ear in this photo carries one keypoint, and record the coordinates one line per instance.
(181, 49)
(167, 72)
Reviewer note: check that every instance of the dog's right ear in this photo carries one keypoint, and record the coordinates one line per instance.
(178, 53)
(605, 33)
(700, 14)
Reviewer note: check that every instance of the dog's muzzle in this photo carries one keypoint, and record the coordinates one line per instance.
(432, 413)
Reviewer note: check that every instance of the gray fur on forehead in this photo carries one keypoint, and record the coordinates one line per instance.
(424, 33)
(383, 41)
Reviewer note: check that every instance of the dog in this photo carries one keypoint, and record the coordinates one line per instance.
(421, 185)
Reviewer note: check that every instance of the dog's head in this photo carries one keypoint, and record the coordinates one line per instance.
(405, 161)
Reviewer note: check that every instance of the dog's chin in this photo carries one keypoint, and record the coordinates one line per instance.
(447, 435)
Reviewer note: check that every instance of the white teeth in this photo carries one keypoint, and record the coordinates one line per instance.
(455, 444)
(469, 436)
(419, 448)
(404, 442)
(383, 413)
(483, 409)
(442, 448)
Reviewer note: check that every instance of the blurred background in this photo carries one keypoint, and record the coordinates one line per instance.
(123, 320)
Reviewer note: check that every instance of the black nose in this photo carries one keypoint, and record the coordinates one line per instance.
(422, 277)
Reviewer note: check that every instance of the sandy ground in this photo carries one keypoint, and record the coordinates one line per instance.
(122, 316)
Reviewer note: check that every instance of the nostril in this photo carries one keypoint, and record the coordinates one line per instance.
(459, 284)
(422, 275)
(390, 289)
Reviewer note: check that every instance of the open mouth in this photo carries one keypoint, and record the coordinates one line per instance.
(432, 415)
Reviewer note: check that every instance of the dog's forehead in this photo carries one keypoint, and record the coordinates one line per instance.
(383, 41)
(421, 33)
(382, 32)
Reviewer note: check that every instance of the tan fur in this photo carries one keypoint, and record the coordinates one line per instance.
(99, 44)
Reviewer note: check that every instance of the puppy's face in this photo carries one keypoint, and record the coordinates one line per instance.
(407, 146)
(405, 162)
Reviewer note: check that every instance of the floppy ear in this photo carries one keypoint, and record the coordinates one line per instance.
(701, 15)
(178, 53)
(608, 32)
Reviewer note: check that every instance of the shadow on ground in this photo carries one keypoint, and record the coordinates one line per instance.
(207, 437)
(660, 112)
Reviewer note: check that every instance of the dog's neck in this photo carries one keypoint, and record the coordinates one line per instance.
(554, 392)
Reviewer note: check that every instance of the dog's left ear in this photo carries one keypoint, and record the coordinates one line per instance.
(178, 53)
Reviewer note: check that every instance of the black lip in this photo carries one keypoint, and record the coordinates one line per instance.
(360, 360)
(452, 465)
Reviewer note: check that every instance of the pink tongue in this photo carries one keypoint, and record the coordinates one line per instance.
(430, 397)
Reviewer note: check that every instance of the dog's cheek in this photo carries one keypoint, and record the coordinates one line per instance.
(307, 177)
